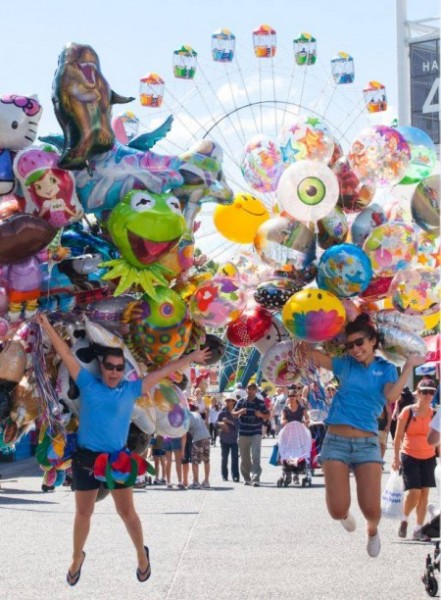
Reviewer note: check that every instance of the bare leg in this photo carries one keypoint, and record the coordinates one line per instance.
(195, 469)
(168, 465)
(123, 499)
(178, 464)
(84, 506)
(207, 471)
(411, 501)
(422, 506)
(338, 493)
(162, 463)
(368, 477)
(185, 470)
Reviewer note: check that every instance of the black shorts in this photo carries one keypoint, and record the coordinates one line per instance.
(83, 478)
(186, 456)
(418, 472)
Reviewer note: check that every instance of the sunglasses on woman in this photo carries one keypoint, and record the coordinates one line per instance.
(427, 392)
(358, 342)
(111, 367)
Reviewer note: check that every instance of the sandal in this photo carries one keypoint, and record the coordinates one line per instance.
(74, 579)
(142, 576)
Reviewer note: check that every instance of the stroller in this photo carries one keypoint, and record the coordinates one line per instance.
(429, 578)
(295, 449)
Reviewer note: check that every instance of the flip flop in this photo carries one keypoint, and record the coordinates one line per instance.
(142, 576)
(74, 579)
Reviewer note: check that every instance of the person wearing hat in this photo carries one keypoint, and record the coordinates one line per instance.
(416, 456)
(251, 413)
(228, 426)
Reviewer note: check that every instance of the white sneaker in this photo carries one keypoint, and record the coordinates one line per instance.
(195, 486)
(373, 545)
(349, 523)
(206, 484)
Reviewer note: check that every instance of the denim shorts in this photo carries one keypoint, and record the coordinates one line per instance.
(171, 444)
(351, 451)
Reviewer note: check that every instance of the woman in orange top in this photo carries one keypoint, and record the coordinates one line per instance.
(417, 458)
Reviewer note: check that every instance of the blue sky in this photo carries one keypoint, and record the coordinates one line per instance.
(133, 37)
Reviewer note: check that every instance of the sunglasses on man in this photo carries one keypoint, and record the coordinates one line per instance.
(358, 342)
(111, 367)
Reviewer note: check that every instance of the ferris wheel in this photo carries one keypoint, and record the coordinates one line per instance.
(241, 92)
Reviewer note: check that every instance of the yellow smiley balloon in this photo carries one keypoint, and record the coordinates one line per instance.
(238, 222)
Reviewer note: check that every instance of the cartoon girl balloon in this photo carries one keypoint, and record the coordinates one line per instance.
(49, 190)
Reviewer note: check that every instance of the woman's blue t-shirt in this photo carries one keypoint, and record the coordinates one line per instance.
(105, 412)
(359, 399)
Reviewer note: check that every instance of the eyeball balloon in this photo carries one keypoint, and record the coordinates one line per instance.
(390, 247)
(314, 315)
(379, 155)
(217, 302)
(262, 164)
(282, 242)
(306, 138)
(416, 291)
(308, 190)
(422, 154)
(344, 270)
(354, 196)
(425, 204)
(239, 221)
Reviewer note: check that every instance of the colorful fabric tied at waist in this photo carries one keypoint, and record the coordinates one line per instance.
(122, 467)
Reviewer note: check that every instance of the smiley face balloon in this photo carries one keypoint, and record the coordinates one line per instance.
(238, 222)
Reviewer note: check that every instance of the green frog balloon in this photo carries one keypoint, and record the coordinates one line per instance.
(144, 227)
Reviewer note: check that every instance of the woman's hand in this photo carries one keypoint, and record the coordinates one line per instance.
(414, 360)
(200, 355)
(42, 320)
(396, 464)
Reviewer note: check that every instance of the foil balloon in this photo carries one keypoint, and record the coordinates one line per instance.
(274, 293)
(159, 329)
(390, 247)
(365, 222)
(22, 236)
(19, 117)
(314, 315)
(103, 337)
(422, 154)
(12, 361)
(354, 195)
(416, 291)
(393, 318)
(49, 190)
(262, 164)
(308, 190)
(82, 101)
(344, 270)
(306, 139)
(144, 227)
(239, 221)
(377, 289)
(284, 243)
(172, 411)
(337, 153)
(275, 334)
(217, 302)
(380, 155)
(399, 344)
(279, 364)
(249, 327)
(425, 204)
(428, 249)
(108, 312)
(332, 229)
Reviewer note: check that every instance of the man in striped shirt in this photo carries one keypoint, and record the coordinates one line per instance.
(251, 413)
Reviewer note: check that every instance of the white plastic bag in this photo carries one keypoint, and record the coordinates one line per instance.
(392, 497)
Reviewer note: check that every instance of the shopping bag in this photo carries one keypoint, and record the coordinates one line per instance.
(274, 458)
(392, 497)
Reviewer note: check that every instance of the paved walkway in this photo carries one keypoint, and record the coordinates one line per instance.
(230, 542)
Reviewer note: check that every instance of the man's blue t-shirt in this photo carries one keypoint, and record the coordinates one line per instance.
(359, 399)
(105, 412)
(249, 424)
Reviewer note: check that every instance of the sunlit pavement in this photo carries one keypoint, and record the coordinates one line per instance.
(229, 542)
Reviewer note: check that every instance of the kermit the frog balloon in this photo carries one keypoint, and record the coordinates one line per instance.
(144, 226)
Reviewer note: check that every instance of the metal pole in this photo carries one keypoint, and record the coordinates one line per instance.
(402, 64)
